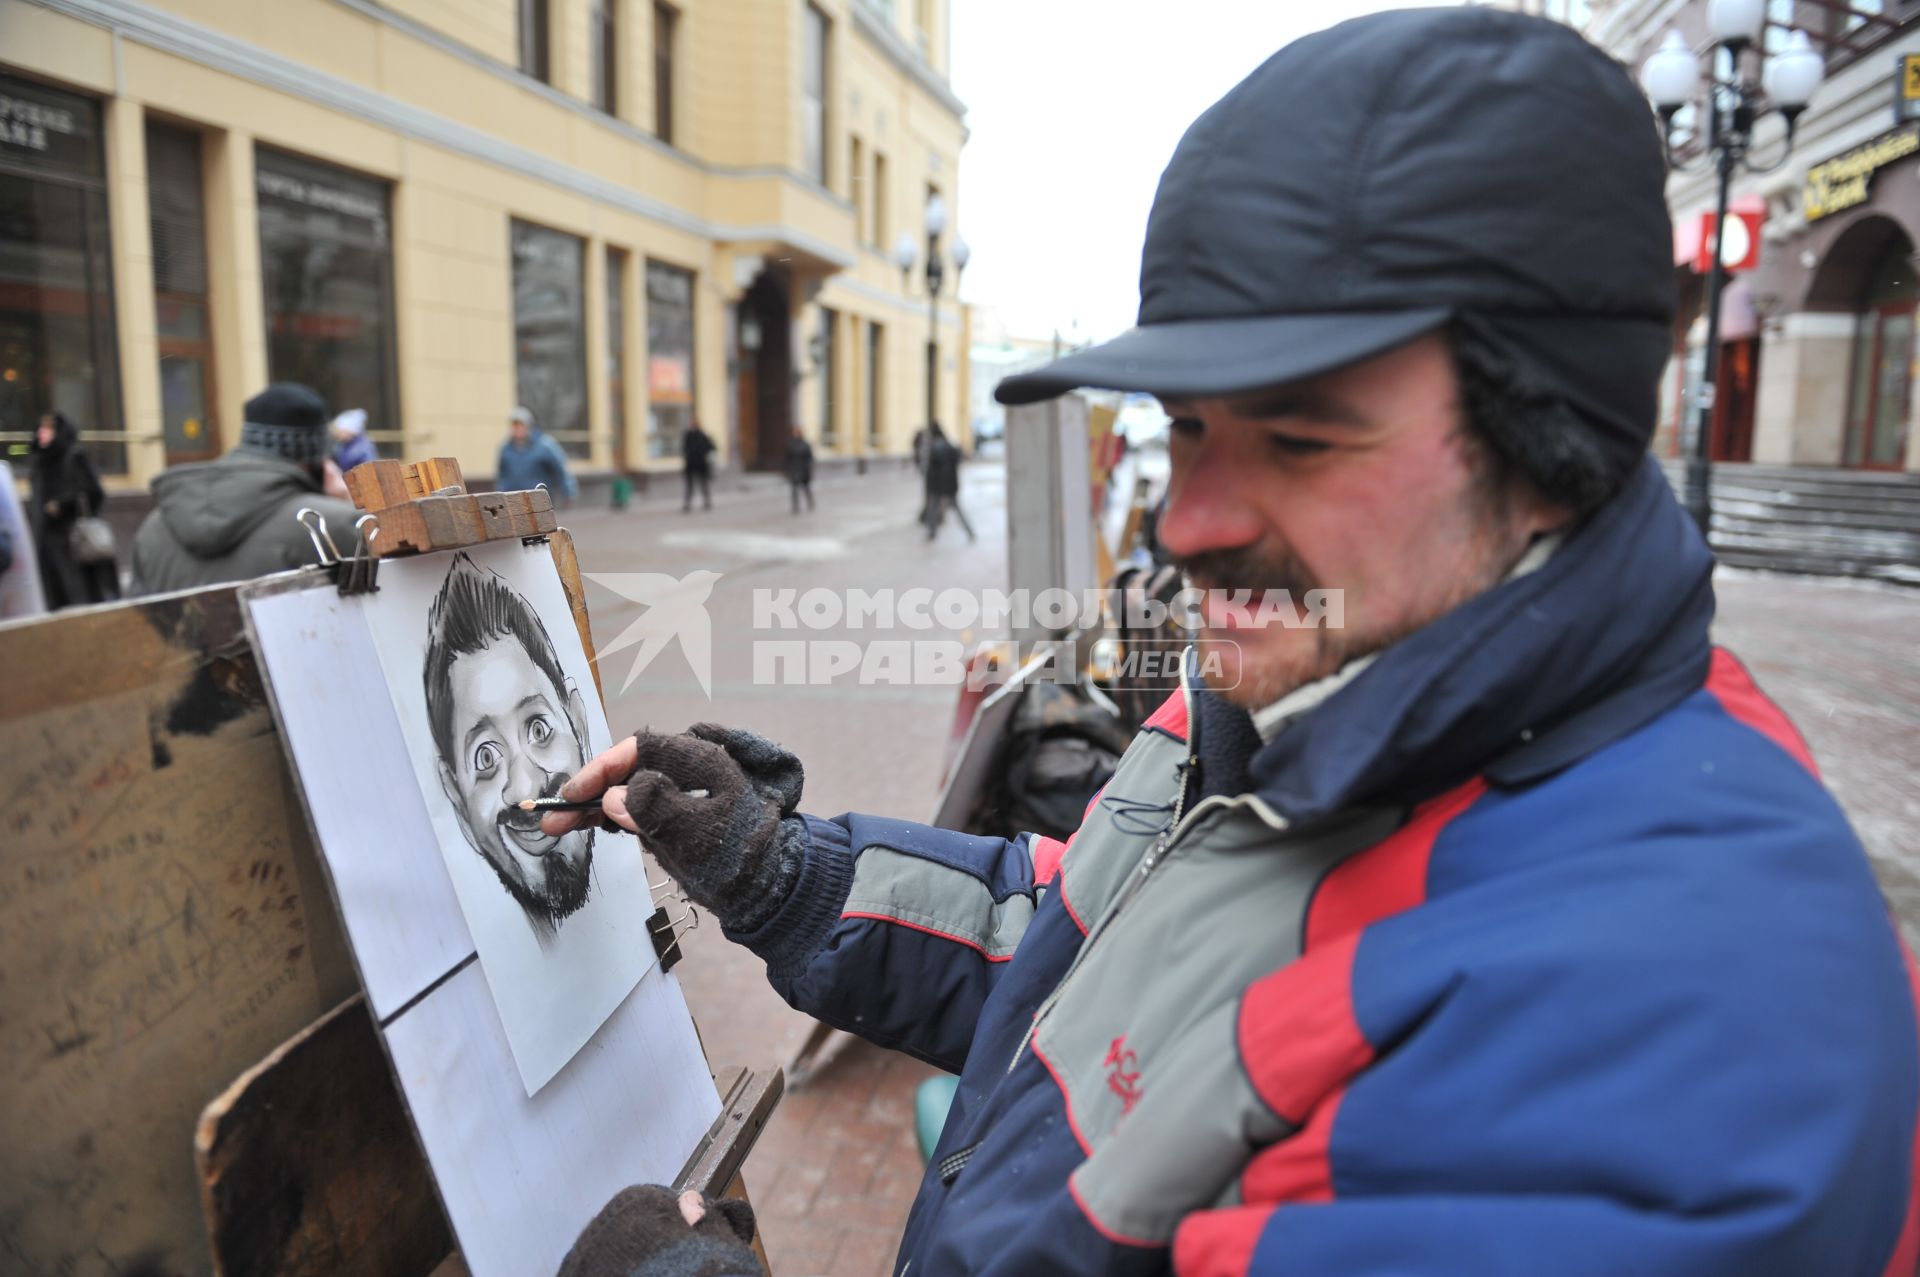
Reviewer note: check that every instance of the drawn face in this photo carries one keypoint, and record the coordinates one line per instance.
(517, 736)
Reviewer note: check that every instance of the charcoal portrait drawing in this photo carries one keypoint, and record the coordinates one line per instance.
(507, 725)
(495, 696)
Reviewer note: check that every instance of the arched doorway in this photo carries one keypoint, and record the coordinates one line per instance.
(764, 338)
(1869, 272)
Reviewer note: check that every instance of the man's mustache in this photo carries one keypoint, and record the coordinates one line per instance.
(550, 788)
(1246, 569)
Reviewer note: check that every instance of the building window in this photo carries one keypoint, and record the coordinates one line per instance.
(617, 353)
(326, 264)
(177, 223)
(880, 202)
(666, 20)
(550, 332)
(813, 93)
(535, 59)
(876, 338)
(1883, 354)
(57, 348)
(669, 357)
(857, 190)
(603, 33)
(828, 373)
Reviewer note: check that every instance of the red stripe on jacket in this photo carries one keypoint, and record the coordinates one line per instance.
(1388, 877)
(1297, 1034)
(1906, 1251)
(1742, 698)
(1171, 717)
(1219, 1243)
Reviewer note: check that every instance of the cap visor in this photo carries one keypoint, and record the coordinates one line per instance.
(1193, 358)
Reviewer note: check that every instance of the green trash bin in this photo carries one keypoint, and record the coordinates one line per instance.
(622, 491)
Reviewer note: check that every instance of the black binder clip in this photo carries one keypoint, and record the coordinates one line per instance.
(356, 575)
(666, 941)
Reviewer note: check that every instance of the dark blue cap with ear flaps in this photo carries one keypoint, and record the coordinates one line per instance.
(1370, 183)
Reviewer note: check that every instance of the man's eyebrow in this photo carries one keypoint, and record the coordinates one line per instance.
(482, 725)
(539, 698)
(1297, 404)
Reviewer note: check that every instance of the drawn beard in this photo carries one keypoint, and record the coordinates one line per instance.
(564, 885)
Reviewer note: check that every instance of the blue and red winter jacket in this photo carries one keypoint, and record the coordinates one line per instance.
(1538, 947)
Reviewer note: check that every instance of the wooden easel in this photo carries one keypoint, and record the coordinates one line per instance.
(171, 941)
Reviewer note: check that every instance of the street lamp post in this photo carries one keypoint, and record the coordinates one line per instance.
(903, 257)
(1733, 107)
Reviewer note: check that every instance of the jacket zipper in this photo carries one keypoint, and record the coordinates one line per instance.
(1141, 873)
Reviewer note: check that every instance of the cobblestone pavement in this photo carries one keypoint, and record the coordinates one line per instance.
(836, 1170)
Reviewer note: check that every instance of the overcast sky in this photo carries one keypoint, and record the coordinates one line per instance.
(1075, 107)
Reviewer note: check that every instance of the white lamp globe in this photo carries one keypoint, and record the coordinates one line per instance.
(1794, 73)
(903, 251)
(961, 253)
(936, 215)
(1733, 20)
(1672, 74)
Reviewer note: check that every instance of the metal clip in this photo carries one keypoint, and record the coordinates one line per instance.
(316, 525)
(360, 574)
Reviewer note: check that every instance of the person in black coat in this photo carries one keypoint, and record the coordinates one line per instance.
(696, 450)
(943, 483)
(65, 486)
(800, 469)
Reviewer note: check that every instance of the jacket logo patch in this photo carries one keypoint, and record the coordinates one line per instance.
(1123, 1074)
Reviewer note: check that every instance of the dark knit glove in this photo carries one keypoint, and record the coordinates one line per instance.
(642, 1233)
(737, 848)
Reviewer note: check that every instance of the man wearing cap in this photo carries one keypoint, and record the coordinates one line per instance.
(232, 519)
(1506, 928)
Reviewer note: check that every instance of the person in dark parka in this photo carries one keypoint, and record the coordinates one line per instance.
(800, 469)
(943, 483)
(696, 453)
(66, 487)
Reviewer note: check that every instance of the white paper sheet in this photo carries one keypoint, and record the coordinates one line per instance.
(522, 1176)
(553, 982)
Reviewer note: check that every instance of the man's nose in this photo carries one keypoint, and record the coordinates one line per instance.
(1211, 502)
(525, 777)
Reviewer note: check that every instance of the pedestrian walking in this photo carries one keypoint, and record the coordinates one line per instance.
(65, 498)
(531, 458)
(233, 519)
(351, 447)
(1503, 927)
(20, 594)
(943, 483)
(800, 469)
(696, 455)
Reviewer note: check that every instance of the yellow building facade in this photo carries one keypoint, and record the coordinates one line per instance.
(622, 214)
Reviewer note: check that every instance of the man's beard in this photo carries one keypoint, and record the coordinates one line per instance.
(564, 884)
(1269, 676)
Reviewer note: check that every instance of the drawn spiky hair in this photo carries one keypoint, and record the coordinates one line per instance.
(475, 609)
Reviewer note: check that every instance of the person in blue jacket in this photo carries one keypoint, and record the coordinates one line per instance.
(1494, 922)
(530, 457)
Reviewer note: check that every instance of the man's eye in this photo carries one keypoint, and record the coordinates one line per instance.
(486, 757)
(539, 730)
(1294, 446)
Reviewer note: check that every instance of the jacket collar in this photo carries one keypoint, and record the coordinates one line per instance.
(1518, 683)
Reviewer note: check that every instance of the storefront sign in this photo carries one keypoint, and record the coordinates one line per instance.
(1845, 180)
(44, 128)
(1739, 249)
(1906, 88)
